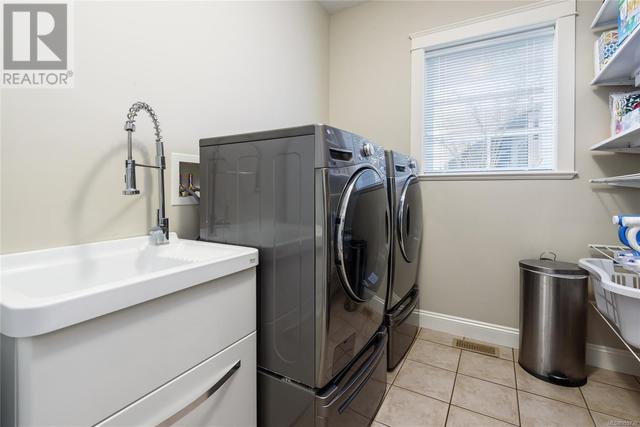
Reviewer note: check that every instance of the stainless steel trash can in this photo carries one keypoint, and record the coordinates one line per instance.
(553, 321)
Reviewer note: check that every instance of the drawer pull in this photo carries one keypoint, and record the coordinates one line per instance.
(200, 399)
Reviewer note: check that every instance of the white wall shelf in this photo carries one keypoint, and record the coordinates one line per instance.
(623, 69)
(623, 65)
(632, 180)
(626, 142)
(607, 16)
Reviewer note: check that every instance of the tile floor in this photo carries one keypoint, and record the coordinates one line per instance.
(439, 385)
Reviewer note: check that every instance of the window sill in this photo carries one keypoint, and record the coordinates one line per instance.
(497, 176)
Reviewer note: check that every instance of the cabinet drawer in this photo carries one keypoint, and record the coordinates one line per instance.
(221, 391)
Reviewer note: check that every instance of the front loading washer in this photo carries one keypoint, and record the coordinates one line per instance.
(313, 201)
(402, 300)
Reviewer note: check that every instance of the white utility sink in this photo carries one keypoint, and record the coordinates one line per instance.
(46, 290)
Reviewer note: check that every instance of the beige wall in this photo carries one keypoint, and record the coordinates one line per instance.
(476, 231)
(207, 68)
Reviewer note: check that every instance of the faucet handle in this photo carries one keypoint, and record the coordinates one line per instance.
(157, 236)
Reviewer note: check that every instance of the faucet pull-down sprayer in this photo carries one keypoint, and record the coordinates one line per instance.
(160, 233)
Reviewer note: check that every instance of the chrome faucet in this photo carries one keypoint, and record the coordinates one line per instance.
(160, 233)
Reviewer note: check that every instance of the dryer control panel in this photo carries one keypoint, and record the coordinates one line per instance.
(400, 165)
(346, 148)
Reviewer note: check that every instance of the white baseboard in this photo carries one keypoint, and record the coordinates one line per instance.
(597, 355)
(474, 329)
(614, 359)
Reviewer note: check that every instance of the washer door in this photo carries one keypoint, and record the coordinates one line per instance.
(362, 239)
(410, 219)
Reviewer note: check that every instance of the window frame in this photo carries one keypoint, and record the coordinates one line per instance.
(559, 13)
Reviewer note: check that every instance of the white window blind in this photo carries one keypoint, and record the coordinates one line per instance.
(489, 105)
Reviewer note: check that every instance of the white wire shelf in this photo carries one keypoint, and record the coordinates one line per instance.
(607, 16)
(626, 142)
(623, 65)
(632, 180)
(608, 250)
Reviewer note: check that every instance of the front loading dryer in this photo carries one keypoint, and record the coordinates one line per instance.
(403, 293)
(313, 201)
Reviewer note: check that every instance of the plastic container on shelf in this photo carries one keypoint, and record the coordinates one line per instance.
(625, 111)
(617, 296)
(628, 17)
(630, 121)
(605, 47)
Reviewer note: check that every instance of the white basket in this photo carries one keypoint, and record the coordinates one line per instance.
(617, 296)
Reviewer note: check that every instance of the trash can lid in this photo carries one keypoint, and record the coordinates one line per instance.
(553, 267)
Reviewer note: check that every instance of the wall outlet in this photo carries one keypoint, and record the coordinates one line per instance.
(181, 166)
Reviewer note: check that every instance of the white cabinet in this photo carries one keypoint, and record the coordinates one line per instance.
(161, 353)
(221, 391)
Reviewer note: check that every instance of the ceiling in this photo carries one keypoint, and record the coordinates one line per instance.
(335, 6)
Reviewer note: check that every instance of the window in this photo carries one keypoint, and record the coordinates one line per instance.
(489, 105)
(494, 104)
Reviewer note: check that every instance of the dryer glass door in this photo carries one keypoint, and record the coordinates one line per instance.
(410, 219)
(363, 235)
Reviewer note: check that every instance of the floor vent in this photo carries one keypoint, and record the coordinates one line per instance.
(489, 350)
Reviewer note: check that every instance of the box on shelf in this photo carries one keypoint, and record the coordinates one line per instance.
(606, 46)
(628, 18)
(625, 111)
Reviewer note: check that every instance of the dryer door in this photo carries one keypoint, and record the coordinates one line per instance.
(362, 239)
(410, 219)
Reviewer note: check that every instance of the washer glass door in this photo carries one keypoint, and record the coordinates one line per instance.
(363, 235)
(410, 219)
